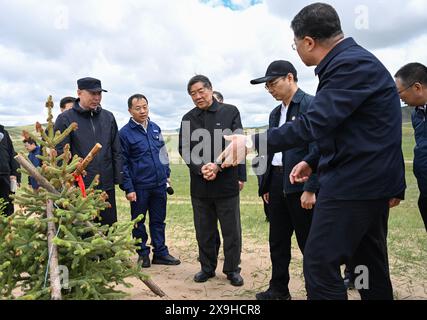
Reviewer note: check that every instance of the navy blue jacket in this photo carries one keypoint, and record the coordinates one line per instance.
(420, 151)
(291, 157)
(356, 120)
(8, 165)
(145, 158)
(97, 126)
(32, 156)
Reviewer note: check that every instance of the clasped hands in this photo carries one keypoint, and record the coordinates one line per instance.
(210, 171)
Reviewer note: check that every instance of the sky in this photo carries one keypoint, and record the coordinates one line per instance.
(155, 47)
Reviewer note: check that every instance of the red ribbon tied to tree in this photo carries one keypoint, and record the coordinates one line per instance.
(81, 184)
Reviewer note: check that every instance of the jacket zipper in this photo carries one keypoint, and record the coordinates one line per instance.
(93, 126)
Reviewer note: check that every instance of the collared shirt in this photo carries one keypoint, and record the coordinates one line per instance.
(278, 157)
(143, 125)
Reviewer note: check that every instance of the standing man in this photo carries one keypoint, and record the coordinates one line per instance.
(214, 192)
(145, 174)
(411, 81)
(290, 206)
(95, 125)
(8, 170)
(356, 120)
(33, 151)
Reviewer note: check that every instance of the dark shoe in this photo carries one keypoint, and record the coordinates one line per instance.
(166, 260)
(272, 295)
(144, 261)
(235, 279)
(203, 276)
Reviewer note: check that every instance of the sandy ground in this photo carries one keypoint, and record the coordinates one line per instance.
(177, 281)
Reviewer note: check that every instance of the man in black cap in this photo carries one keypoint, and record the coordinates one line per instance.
(290, 207)
(95, 125)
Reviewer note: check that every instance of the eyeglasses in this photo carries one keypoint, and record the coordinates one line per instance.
(271, 84)
(407, 88)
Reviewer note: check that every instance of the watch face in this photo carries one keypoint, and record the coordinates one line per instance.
(1, 136)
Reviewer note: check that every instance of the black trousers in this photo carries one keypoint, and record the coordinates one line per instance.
(422, 205)
(344, 230)
(109, 215)
(5, 194)
(286, 216)
(207, 212)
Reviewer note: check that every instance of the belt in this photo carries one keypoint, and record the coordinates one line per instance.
(277, 169)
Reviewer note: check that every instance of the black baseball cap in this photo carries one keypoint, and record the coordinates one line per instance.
(275, 70)
(90, 84)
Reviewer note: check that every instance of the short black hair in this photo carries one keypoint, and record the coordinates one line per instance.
(65, 101)
(137, 96)
(318, 20)
(199, 78)
(29, 141)
(219, 96)
(412, 73)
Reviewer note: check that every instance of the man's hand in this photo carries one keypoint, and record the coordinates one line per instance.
(394, 202)
(308, 200)
(241, 185)
(300, 173)
(210, 171)
(235, 153)
(131, 197)
(266, 198)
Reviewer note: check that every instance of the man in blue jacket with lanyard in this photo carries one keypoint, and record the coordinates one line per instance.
(411, 81)
(145, 176)
(356, 120)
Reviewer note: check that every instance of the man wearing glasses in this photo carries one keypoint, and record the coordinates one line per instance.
(411, 81)
(356, 120)
(290, 206)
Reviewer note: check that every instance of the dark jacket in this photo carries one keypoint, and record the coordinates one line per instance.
(196, 154)
(97, 126)
(8, 165)
(291, 157)
(356, 120)
(32, 156)
(145, 158)
(420, 152)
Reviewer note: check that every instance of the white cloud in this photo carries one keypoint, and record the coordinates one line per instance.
(155, 47)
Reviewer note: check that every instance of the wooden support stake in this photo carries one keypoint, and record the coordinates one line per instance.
(55, 281)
